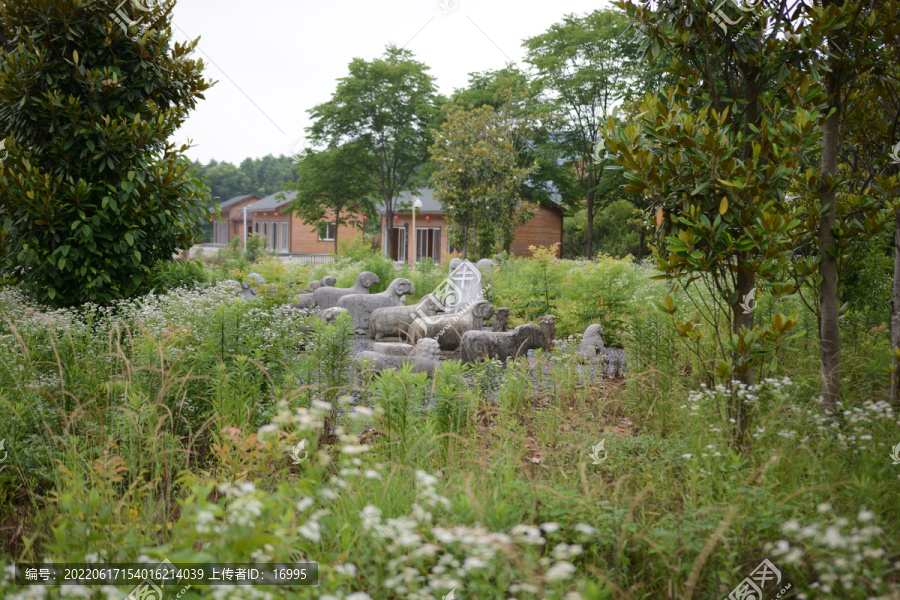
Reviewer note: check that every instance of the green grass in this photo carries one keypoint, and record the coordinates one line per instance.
(162, 427)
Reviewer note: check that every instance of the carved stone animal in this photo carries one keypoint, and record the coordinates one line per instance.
(592, 346)
(390, 323)
(305, 298)
(327, 297)
(250, 289)
(330, 314)
(424, 359)
(501, 319)
(393, 348)
(548, 326)
(360, 306)
(449, 329)
(482, 345)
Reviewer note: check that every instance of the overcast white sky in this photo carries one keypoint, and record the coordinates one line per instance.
(275, 59)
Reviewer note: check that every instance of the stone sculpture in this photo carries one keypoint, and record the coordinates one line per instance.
(392, 348)
(464, 286)
(448, 329)
(305, 298)
(249, 290)
(482, 345)
(327, 297)
(360, 306)
(548, 326)
(390, 324)
(330, 314)
(501, 319)
(485, 265)
(592, 346)
(423, 359)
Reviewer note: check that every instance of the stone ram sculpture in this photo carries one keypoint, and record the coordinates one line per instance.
(424, 359)
(390, 324)
(360, 306)
(449, 329)
(482, 345)
(327, 297)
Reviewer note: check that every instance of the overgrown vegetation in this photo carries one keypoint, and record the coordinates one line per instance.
(162, 427)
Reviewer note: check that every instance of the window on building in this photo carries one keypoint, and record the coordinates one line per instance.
(285, 237)
(273, 238)
(327, 232)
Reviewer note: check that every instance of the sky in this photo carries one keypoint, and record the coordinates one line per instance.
(276, 59)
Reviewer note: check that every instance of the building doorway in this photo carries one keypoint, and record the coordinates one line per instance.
(398, 252)
(428, 243)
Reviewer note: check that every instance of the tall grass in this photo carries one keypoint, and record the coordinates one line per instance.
(163, 427)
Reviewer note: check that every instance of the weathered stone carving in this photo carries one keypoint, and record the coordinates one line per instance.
(464, 288)
(424, 358)
(391, 323)
(305, 298)
(548, 326)
(485, 265)
(592, 346)
(447, 329)
(360, 306)
(482, 345)
(330, 314)
(249, 290)
(501, 319)
(327, 297)
(393, 348)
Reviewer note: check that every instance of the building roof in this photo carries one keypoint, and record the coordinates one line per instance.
(274, 202)
(430, 204)
(232, 201)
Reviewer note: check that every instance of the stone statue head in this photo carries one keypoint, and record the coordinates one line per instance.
(329, 281)
(401, 287)
(483, 310)
(366, 279)
(428, 348)
(455, 262)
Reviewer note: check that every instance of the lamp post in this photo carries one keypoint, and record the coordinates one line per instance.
(245, 230)
(416, 204)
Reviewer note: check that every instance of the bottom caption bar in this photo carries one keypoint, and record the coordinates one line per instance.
(168, 573)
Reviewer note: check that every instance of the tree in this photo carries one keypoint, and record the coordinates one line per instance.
(226, 181)
(92, 195)
(337, 186)
(478, 180)
(587, 65)
(715, 155)
(534, 123)
(386, 106)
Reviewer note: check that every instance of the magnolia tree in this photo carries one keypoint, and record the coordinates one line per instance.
(92, 195)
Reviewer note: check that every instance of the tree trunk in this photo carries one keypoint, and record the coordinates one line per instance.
(829, 331)
(388, 229)
(895, 317)
(466, 238)
(589, 246)
(641, 244)
(337, 222)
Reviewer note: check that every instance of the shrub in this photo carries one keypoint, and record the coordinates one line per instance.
(93, 195)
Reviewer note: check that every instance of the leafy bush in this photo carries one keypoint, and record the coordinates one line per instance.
(168, 274)
(93, 195)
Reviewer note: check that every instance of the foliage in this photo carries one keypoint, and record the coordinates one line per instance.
(256, 247)
(92, 194)
(164, 428)
(586, 65)
(615, 231)
(166, 275)
(385, 106)
(335, 186)
(478, 180)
